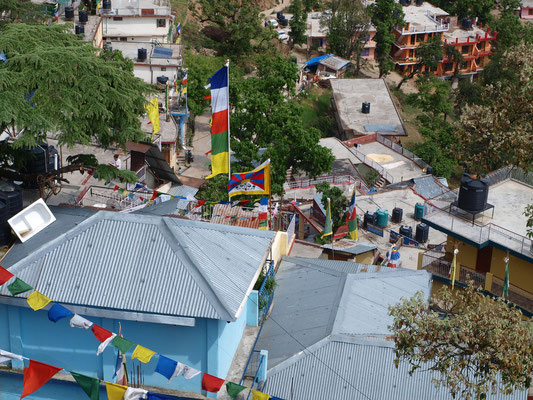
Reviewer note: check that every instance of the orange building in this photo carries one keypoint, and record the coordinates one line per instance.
(425, 21)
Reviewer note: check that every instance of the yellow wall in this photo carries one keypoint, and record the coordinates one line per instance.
(520, 271)
(467, 254)
(279, 246)
(365, 258)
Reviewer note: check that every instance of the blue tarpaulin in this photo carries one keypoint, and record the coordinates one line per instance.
(316, 60)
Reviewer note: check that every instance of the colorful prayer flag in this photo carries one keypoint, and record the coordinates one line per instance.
(152, 109)
(505, 292)
(36, 375)
(37, 300)
(188, 372)
(211, 383)
(57, 312)
(184, 86)
(328, 229)
(90, 385)
(114, 391)
(5, 275)
(122, 344)
(454, 266)
(166, 367)
(143, 354)
(351, 217)
(233, 389)
(159, 396)
(77, 321)
(252, 182)
(18, 287)
(104, 344)
(135, 394)
(220, 127)
(257, 395)
(100, 333)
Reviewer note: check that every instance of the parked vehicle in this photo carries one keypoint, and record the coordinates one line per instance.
(273, 22)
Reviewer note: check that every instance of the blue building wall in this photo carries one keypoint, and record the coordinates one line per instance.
(209, 346)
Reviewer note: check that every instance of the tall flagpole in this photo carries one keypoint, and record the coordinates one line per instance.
(229, 136)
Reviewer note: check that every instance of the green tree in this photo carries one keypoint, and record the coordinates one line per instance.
(214, 189)
(53, 83)
(234, 24)
(528, 212)
(499, 131)
(475, 344)
(21, 11)
(434, 96)
(468, 8)
(339, 203)
(347, 26)
(267, 116)
(385, 15)
(298, 22)
(429, 55)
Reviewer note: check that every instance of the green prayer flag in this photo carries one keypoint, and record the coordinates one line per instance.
(233, 389)
(328, 229)
(18, 287)
(122, 344)
(91, 386)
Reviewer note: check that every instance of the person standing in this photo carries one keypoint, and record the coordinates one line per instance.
(116, 162)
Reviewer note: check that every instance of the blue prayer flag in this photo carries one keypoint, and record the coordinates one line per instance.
(3, 56)
(166, 366)
(159, 396)
(264, 201)
(275, 398)
(58, 312)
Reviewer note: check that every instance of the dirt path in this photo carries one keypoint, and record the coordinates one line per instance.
(280, 7)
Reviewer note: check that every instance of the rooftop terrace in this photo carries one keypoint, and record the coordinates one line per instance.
(423, 18)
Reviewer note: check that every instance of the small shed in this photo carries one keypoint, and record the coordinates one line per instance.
(350, 250)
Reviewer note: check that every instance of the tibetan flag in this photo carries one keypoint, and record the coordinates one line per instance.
(328, 228)
(5, 275)
(143, 354)
(211, 383)
(152, 109)
(18, 287)
(36, 375)
(57, 312)
(220, 117)
(257, 395)
(37, 300)
(253, 182)
(114, 391)
(351, 218)
(233, 389)
(90, 385)
(505, 292)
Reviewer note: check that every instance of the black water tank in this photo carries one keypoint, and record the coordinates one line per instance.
(83, 16)
(69, 13)
(406, 231)
(369, 218)
(429, 170)
(11, 195)
(80, 30)
(366, 107)
(473, 194)
(5, 231)
(106, 5)
(422, 233)
(419, 2)
(162, 80)
(142, 54)
(467, 23)
(397, 215)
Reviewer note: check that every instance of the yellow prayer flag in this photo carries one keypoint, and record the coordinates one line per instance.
(256, 395)
(152, 109)
(114, 391)
(37, 300)
(142, 354)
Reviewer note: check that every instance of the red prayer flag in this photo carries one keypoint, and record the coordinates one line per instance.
(211, 383)
(100, 333)
(5, 275)
(154, 196)
(207, 97)
(116, 188)
(201, 203)
(36, 375)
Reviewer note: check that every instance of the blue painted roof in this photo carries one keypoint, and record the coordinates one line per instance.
(162, 52)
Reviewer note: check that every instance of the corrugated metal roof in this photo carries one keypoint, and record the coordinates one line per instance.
(350, 246)
(428, 187)
(312, 296)
(149, 264)
(225, 214)
(350, 369)
(316, 60)
(334, 62)
(162, 52)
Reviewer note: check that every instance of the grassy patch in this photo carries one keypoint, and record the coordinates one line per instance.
(180, 7)
(317, 112)
(408, 114)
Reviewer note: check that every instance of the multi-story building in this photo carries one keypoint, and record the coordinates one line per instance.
(424, 21)
(526, 9)
(137, 20)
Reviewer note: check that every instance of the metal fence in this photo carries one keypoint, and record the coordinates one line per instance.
(266, 294)
(113, 199)
(372, 164)
(331, 179)
(406, 153)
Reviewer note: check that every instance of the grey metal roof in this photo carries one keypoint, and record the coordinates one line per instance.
(334, 62)
(350, 246)
(313, 297)
(148, 264)
(429, 186)
(344, 368)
